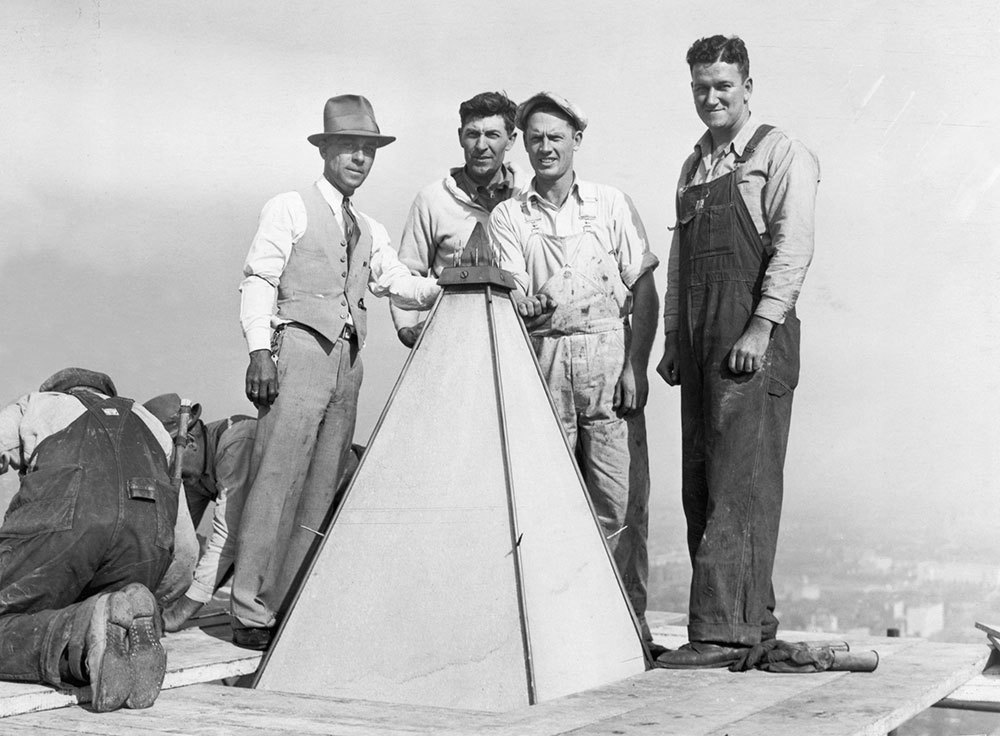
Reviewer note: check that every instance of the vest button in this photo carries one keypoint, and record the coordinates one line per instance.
(343, 243)
(344, 274)
(343, 259)
(343, 316)
(343, 302)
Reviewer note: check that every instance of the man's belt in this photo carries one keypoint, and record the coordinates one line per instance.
(349, 332)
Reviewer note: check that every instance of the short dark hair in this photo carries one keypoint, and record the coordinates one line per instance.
(727, 49)
(486, 105)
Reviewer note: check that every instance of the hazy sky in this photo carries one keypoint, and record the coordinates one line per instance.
(140, 140)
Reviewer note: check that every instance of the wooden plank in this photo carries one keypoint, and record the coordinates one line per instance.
(982, 692)
(215, 710)
(906, 683)
(911, 676)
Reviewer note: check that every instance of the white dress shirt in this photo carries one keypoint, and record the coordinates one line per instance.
(282, 223)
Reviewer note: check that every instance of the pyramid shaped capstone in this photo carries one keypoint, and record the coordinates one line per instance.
(465, 567)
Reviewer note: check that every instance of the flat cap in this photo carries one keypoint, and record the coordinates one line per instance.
(525, 109)
(167, 408)
(69, 378)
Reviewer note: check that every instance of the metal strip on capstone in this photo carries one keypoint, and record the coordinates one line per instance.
(515, 537)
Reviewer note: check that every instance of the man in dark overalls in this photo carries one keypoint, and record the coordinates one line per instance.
(85, 540)
(743, 242)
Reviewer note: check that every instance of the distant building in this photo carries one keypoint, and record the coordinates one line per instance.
(959, 573)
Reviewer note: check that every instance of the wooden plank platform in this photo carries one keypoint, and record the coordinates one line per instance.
(912, 675)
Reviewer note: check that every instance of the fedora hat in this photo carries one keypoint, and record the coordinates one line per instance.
(350, 115)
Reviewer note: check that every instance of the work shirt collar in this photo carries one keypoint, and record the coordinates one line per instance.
(334, 198)
(709, 157)
(490, 195)
(580, 190)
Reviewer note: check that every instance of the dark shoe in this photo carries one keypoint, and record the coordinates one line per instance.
(125, 659)
(251, 637)
(655, 650)
(697, 655)
(149, 661)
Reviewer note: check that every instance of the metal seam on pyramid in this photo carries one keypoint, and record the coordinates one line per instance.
(583, 486)
(515, 538)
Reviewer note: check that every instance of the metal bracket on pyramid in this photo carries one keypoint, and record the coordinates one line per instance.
(477, 266)
(465, 566)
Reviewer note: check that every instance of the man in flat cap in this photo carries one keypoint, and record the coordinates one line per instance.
(215, 469)
(303, 315)
(86, 539)
(744, 240)
(582, 246)
(445, 214)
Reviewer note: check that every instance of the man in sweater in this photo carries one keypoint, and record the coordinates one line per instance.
(445, 213)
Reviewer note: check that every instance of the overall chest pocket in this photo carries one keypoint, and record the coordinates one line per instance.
(709, 231)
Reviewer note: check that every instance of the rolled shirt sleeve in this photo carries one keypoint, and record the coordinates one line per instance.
(389, 277)
(506, 244)
(282, 222)
(632, 245)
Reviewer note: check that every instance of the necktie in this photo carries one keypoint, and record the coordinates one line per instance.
(350, 224)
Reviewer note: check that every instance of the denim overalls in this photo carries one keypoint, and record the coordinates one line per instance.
(734, 426)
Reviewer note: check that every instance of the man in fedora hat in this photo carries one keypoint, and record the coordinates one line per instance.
(303, 315)
(86, 539)
(582, 246)
(445, 214)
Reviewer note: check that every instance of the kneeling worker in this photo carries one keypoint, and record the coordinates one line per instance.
(86, 539)
(216, 468)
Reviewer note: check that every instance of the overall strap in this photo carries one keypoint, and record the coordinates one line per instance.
(532, 218)
(694, 169)
(588, 211)
(751, 146)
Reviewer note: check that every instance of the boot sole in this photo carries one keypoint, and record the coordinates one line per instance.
(108, 656)
(148, 659)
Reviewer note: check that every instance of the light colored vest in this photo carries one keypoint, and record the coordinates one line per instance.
(324, 280)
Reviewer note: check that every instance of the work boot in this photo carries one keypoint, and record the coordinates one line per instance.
(125, 660)
(252, 637)
(149, 661)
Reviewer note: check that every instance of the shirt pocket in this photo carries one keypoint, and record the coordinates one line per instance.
(45, 503)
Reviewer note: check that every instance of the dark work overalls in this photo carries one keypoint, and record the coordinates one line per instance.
(734, 426)
(94, 514)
